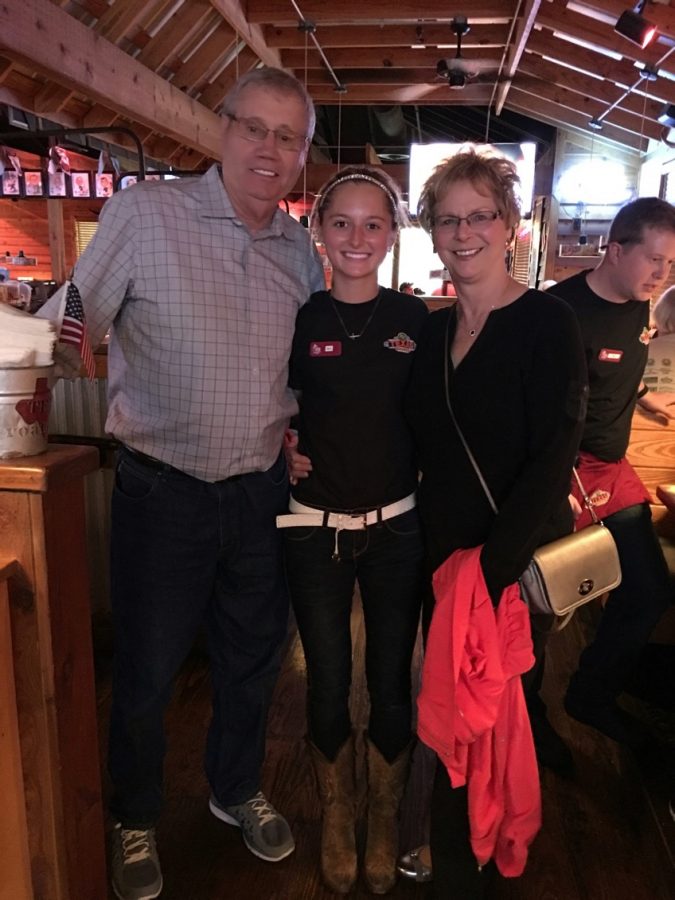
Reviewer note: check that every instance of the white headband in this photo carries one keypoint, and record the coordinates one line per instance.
(356, 176)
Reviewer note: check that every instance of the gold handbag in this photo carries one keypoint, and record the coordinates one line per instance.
(567, 572)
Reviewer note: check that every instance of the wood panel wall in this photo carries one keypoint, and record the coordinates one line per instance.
(24, 226)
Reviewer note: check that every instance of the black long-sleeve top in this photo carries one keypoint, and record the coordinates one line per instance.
(519, 396)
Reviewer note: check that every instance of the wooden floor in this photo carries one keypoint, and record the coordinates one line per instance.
(607, 834)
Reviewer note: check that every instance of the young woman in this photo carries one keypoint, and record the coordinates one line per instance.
(353, 518)
(509, 361)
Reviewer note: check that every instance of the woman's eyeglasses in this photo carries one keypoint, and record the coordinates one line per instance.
(482, 218)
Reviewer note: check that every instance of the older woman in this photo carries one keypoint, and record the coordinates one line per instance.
(509, 362)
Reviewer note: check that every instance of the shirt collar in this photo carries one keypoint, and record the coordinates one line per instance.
(215, 203)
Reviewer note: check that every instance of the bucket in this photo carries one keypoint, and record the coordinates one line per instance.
(25, 401)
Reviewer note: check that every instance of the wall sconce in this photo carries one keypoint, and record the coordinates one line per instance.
(632, 25)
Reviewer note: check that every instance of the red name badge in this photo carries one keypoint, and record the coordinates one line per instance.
(613, 356)
(325, 348)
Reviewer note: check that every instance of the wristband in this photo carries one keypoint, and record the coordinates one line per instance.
(641, 393)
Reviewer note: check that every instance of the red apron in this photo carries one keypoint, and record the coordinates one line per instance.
(611, 486)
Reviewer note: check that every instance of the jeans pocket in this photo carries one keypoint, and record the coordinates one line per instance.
(408, 523)
(298, 534)
(135, 481)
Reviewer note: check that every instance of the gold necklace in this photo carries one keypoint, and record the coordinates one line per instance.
(352, 335)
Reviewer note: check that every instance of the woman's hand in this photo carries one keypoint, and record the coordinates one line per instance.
(299, 466)
(576, 507)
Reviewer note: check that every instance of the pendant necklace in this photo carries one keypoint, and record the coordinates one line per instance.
(352, 335)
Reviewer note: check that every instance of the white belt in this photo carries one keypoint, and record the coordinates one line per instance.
(300, 515)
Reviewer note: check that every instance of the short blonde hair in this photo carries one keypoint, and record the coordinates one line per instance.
(483, 168)
(663, 311)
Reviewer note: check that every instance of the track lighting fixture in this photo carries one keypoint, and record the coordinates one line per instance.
(632, 25)
(595, 124)
(667, 115)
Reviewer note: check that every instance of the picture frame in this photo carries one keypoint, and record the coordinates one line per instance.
(589, 250)
(57, 185)
(10, 184)
(80, 185)
(33, 183)
(103, 185)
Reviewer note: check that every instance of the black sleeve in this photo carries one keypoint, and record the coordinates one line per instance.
(556, 392)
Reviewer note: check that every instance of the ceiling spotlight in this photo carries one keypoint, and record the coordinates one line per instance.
(595, 124)
(667, 115)
(632, 25)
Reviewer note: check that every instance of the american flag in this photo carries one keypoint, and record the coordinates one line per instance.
(74, 329)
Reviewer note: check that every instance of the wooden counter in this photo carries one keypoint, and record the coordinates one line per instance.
(43, 529)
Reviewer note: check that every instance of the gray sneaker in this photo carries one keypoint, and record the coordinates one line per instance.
(136, 873)
(265, 832)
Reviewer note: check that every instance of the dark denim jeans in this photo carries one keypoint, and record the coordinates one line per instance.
(187, 553)
(632, 611)
(386, 560)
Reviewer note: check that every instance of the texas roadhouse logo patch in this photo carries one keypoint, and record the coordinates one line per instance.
(402, 343)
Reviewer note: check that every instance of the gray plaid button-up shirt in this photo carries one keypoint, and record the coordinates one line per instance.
(202, 315)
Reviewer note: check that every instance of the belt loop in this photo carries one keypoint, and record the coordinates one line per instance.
(379, 515)
(326, 514)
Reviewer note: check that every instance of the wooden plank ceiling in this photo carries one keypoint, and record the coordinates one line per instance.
(162, 67)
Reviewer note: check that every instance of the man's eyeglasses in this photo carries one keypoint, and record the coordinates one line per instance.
(475, 220)
(254, 130)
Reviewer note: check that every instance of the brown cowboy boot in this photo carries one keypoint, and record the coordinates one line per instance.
(386, 783)
(335, 781)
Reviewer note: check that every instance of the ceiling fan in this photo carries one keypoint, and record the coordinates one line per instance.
(457, 70)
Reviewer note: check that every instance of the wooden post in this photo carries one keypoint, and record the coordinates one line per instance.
(57, 243)
(43, 527)
(15, 882)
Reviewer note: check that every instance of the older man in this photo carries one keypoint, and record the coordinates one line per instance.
(200, 281)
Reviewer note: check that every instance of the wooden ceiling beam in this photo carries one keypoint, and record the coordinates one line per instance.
(581, 27)
(205, 59)
(118, 20)
(50, 99)
(379, 57)
(598, 89)
(589, 107)
(662, 16)
(263, 12)
(563, 117)
(517, 48)
(250, 32)
(213, 95)
(471, 95)
(620, 72)
(41, 35)
(380, 36)
(175, 34)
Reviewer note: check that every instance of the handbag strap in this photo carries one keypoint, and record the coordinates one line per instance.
(472, 458)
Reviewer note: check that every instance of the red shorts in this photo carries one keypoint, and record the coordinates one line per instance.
(611, 486)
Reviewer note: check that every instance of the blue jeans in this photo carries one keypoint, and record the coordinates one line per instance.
(632, 611)
(185, 554)
(386, 560)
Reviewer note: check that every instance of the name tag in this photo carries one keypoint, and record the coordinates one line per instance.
(612, 356)
(325, 348)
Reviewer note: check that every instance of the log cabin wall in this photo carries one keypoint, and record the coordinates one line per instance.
(24, 226)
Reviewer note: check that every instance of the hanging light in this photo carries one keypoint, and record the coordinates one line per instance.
(632, 25)
(595, 124)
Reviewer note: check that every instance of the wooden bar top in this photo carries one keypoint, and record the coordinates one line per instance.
(58, 464)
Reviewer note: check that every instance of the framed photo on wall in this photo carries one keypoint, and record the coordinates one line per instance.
(103, 184)
(33, 184)
(10, 184)
(56, 184)
(80, 185)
